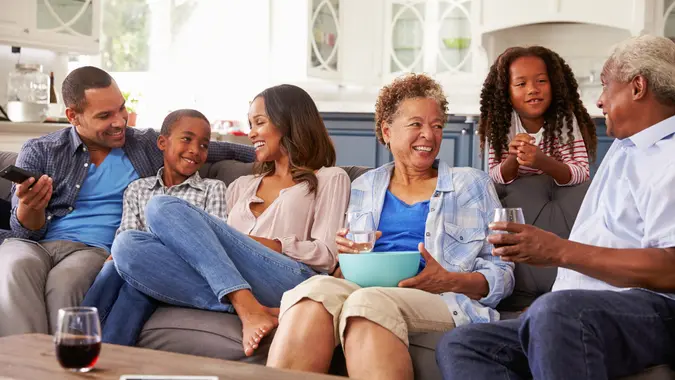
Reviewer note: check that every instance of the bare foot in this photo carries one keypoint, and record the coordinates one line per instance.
(256, 326)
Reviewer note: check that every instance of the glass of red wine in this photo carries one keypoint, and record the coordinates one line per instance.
(513, 215)
(78, 338)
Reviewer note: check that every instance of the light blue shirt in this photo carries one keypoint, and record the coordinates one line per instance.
(631, 201)
(98, 206)
(455, 230)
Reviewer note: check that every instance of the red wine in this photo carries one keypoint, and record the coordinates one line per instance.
(78, 352)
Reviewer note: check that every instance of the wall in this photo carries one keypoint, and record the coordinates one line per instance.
(58, 63)
(585, 58)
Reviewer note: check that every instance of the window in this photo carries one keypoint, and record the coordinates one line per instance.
(210, 55)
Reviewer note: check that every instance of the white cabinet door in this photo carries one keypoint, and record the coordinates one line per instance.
(59, 25)
(432, 36)
(669, 19)
(456, 36)
(324, 39)
(15, 21)
(501, 14)
(406, 32)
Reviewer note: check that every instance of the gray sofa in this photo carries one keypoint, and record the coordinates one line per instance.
(218, 335)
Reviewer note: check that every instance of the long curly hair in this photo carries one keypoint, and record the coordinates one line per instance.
(496, 107)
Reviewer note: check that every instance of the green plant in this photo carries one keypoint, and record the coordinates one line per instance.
(131, 101)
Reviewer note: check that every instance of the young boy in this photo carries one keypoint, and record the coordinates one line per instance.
(184, 140)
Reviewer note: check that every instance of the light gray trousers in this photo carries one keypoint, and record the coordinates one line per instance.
(37, 279)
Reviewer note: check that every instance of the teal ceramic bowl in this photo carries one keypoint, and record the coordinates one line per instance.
(379, 268)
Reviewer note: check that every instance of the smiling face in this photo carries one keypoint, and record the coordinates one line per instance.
(415, 133)
(103, 120)
(530, 87)
(265, 136)
(186, 147)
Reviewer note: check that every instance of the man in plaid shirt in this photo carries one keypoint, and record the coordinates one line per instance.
(63, 224)
(184, 139)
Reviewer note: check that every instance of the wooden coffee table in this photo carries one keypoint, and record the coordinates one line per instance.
(29, 357)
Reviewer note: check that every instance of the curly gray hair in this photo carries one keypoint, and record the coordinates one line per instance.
(649, 56)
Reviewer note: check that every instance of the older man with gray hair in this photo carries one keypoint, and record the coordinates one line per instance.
(612, 309)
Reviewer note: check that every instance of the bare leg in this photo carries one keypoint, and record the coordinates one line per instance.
(257, 320)
(373, 352)
(304, 340)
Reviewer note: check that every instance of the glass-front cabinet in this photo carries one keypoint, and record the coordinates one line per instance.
(324, 39)
(669, 19)
(406, 36)
(454, 36)
(61, 25)
(434, 36)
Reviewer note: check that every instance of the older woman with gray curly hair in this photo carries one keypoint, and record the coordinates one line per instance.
(417, 202)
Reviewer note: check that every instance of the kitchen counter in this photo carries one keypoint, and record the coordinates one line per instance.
(11, 127)
(14, 135)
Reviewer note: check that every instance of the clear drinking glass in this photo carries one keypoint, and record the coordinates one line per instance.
(362, 230)
(78, 338)
(513, 215)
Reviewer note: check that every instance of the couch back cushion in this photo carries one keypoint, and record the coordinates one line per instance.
(229, 170)
(550, 207)
(6, 158)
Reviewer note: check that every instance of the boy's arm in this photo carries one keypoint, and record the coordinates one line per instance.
(215, 202)
(131, 212)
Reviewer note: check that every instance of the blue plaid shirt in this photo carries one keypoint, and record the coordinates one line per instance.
(64, 157)
(455, 232)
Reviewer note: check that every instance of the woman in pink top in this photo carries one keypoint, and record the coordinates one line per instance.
(280, 229)
(532, 119)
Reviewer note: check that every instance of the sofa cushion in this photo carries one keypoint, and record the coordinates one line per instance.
(199, 332)
(6, 158)
(550, 207)
(229, 170)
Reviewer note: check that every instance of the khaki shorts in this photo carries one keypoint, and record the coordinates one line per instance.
(399, 310)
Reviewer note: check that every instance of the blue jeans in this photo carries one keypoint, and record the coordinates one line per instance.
(192, 259)
(572, 334)
(122, 309)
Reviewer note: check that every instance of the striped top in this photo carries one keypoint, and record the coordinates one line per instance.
(573, 155)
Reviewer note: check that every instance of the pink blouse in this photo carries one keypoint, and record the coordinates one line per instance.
(305, 224)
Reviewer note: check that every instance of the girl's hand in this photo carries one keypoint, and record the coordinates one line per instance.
(345, 245)
(530, 155)
(521, 139)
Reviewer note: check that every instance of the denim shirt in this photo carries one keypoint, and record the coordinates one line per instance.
(63, 156)
(455, 232)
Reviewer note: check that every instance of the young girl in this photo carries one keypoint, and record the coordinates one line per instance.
(532, 119)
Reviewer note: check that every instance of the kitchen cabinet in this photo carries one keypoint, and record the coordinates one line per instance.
(353, 135)
(433, 36)
(622, 14)
(604, 142)
(324, 39)
(668, 28)
(71, 26)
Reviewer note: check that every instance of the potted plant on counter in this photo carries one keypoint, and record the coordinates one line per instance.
(131, 102)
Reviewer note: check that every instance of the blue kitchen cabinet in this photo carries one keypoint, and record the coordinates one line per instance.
(354, 137)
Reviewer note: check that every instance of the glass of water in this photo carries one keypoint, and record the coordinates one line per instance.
(513, 215)
(362, 230)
